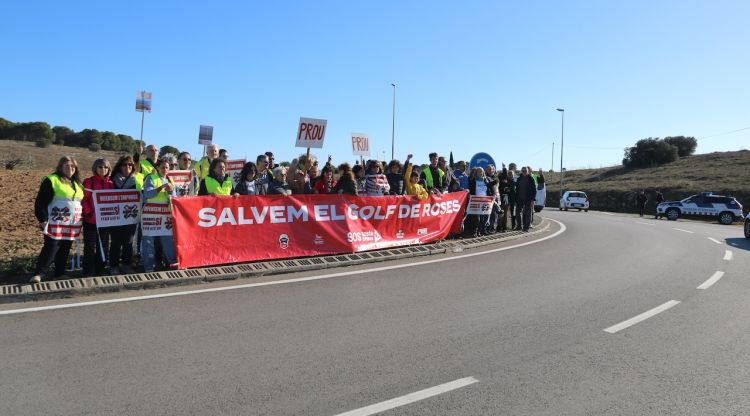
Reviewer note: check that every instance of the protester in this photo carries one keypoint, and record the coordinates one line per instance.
(184, 162)
(433, 176)
(526, 194)
(62, 185)
(476, 225)
(325, 184)
(121, 246)
(505, 181)
(659, 198)
(491, 179)
(359, 176)
(443, 165)
(376, 183)
(515, 215)
(146, 166)
(249, 183)
(217, 182)
(95, 240)
(412, 184)
(346, 183)
(224, 154)
(460, 175)
(300, 183)
(159, 188)
(203, 167)
(395, 178)
(271, 165)
(640, 202)
(279, 185)
(265, 174)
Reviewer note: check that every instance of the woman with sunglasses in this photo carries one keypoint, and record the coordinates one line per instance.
(121, 248)
(249, 183)
(95, 241)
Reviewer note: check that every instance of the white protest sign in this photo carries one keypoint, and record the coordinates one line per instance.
(480, 205)
(205, 135)
(156, 219)
(360, 144)
(182, 180)
(115, 207)
(311, 132)
(234, 168)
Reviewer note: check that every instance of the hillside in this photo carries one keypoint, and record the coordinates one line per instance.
(614, 188)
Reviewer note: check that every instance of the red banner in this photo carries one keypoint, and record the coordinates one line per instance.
(212, 230)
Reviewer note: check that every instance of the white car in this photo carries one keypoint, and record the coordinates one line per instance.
(541, 197)
(747, 226)
(574, 199)
(705, 204)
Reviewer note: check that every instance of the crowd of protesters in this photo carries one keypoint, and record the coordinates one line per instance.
(514, 191)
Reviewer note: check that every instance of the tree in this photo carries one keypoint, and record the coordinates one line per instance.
(95, 147)
(32, 131)
(110, 141)
(127, 143)
(169, 149)
(649, 152)
(6, 129)
(685, 145)
(61, 132)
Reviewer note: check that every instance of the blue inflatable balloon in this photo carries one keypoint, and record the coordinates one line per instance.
(482, 160)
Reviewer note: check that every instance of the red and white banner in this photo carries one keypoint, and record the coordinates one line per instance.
(64, 219)
(234, 168)
(480, 205)
(115, 207)
(182, 180)
(213, 230)
(157, 219)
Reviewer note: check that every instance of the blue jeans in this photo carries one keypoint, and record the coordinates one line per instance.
(148, 251)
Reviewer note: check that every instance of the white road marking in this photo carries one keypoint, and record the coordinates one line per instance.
(644, 223)
(728, 255)
(279, 282)
(715, 240)
(607, 213)
(711, 280)
(642, 317)
(411, 398)
(684, 231)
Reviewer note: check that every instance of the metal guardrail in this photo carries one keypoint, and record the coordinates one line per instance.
(99, 284)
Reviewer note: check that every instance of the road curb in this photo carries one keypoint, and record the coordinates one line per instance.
(68, 288)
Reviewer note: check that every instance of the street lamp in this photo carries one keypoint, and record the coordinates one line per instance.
(562, 143)
(393, 128)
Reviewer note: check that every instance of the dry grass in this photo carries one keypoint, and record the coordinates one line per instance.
(45, 159)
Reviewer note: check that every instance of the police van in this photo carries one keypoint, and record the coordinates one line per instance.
(705, 204)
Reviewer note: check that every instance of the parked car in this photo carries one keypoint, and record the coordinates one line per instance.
(705, 204)
(747, 226)
(574, 199)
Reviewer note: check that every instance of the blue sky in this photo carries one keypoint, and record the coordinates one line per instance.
(471, 76)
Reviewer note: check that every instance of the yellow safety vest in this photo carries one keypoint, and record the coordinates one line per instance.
(64, 211)
(73, 191)
(138, 179)
(214, 188)
(428, 176)
(163, 195)
(147, 167)
(202, 167)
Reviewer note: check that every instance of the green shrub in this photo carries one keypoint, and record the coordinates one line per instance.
(43, 142)
(95, 147)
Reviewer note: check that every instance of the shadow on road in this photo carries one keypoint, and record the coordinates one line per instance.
(743, 243)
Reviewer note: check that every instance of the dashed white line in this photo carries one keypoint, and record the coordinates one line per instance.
(684, 231)
(644, 223)
(728, 255)
(714, 240)
(711, 280)
(642, 317)
(607, 213)
(411, 398)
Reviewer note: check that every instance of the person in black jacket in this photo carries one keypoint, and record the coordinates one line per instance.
(346, 184)
(640, 201)
(395, 178)
(525, 196)
(249, 183)
(659, 199)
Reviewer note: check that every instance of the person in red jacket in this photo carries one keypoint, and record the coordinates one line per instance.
(95, 241)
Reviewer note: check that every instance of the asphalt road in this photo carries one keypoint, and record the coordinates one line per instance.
(518, 331)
